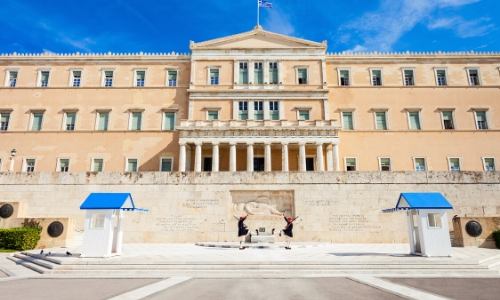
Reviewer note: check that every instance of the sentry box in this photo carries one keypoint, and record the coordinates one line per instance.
(427, 222)
(103, 234)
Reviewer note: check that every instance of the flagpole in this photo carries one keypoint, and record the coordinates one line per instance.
(258, 10)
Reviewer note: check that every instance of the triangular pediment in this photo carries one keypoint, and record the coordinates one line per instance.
(258, 39)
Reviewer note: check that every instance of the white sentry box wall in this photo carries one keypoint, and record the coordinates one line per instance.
(426, 240)
(104, 240)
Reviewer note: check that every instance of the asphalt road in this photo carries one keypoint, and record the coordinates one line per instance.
(455, 288)
(276, 289)
(64, 289)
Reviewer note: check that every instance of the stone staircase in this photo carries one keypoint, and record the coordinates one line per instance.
(396, 266)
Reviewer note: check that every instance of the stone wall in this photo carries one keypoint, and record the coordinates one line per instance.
(339, 207)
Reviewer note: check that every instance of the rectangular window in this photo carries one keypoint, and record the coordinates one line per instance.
(350, 164)
(166, 164)
(77, 78)
(302, 76)
(214, 76)
(274, 113)
(97, 165)
(385, 164)
(136, 120)
(63, 165)
(103, 120)
(30, 165)
(419, 164)
(414, 120)
(168, 121)
(108, 78)
(448, 120)
(70, 121)
(172, 78)
(454, 163)
(441, 77)
(481, 120)
(408, 74)
(131, 165)
(303, 115)
(242, 110)
(474, 77)
(258, 164)
(37, 122)
(344, 78)
(213, 115)
(381, 120)
(273, 73)
(97, 221)
(376, 77)
(258, 73)
(434, 220)
(12, 79)
(489, 164)
(243, 79)
(44, 78)
(207, 164)
(347, 121)
(258, 112)
(4, 121)
(140, 78)
(309, 163)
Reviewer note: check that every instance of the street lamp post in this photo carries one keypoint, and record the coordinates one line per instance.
(12, 156)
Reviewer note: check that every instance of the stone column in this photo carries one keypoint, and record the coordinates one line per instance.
(267, 157)
(319, 157)
(188, 158)
(249, 157)
(336, 161)
(197, 157)
(329, 158)
(182, 157)
(302, 156)
(284, 156)
(266, 109)
(215, 156)
(232, 157)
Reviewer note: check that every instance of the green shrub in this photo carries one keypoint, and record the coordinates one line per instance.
(496, 238)
(24, 238)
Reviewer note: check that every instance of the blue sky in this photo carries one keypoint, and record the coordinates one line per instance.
(30, 26)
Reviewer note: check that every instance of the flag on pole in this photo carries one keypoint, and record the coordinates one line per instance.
(266, 4)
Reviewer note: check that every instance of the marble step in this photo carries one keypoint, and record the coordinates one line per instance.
(272, 273)
(29, 265)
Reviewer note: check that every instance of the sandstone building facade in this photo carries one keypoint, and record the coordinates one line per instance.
(255, 101)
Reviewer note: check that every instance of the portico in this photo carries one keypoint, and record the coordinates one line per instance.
(306, 139)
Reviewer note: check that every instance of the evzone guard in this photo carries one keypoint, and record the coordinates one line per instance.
(288, 230)
(242, 230)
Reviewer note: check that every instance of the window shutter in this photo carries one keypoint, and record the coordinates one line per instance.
(350, 162)
(37, 122)
(108, 73)
(169, 121)
(98, 164)
(447, 115)
(381, 121)
(489, 164)
(132, 165)
(12, 75)
(141, 75)
(455, 163)
(136, 121)
(70, 118)
(172, 75)
(45, 76)
(414, 121)
(166, 165)
(481, 116)
(302, 73)
(5, 118)
(103, 121)
(347, 121)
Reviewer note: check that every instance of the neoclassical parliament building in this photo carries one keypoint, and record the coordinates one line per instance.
(256, 102)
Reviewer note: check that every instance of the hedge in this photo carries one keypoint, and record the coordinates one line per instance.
(496, 238)
(24, 238)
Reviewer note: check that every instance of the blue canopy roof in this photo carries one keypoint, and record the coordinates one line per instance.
(122, 201)
(409, 201)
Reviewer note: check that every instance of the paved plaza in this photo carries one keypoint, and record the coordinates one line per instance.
(308, 271)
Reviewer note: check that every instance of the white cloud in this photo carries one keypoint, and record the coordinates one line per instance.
(462, 28)
(279, 22)
(382, 28)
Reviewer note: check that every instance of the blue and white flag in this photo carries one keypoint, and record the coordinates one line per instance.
(266, 4)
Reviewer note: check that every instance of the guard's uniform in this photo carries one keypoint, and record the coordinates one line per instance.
(288, 229)
(242, 228)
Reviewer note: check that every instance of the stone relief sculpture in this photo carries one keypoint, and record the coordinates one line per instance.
(255, 208)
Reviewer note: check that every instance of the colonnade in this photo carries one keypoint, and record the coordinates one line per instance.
(332, 156)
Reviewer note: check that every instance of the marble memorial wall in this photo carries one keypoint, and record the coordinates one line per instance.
(339, 207)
